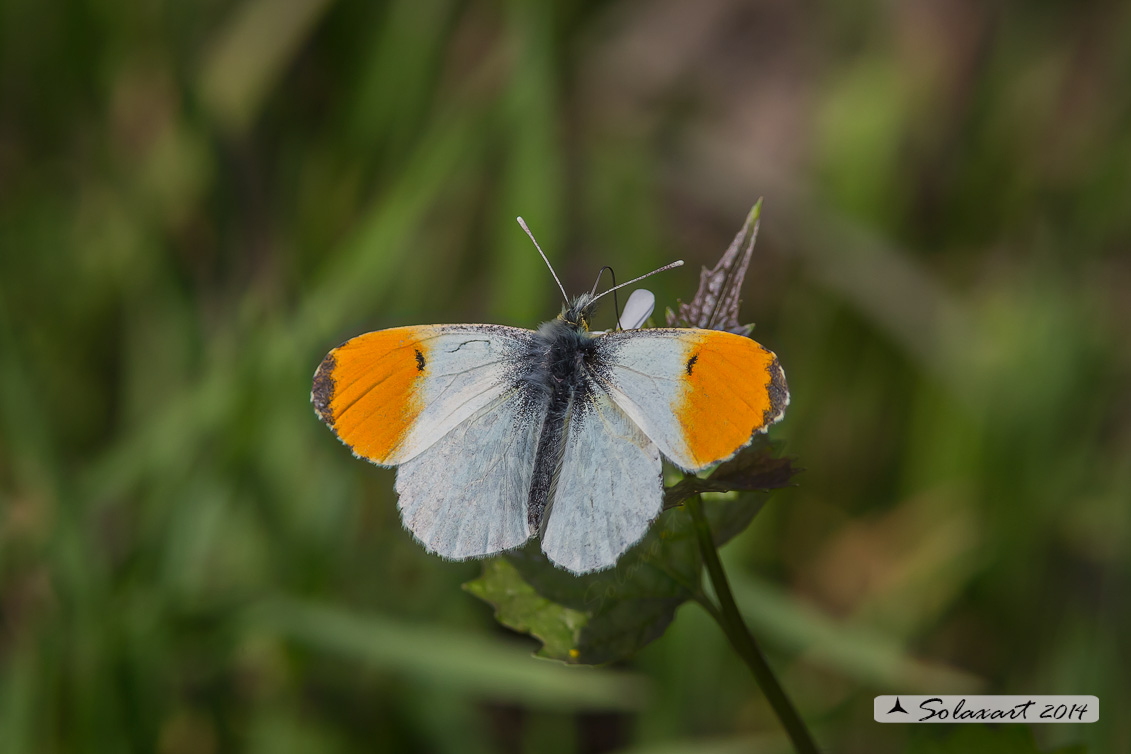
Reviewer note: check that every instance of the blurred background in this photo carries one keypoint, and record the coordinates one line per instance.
(198, 200)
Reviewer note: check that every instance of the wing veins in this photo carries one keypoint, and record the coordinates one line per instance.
(366, 392)
(369, 389)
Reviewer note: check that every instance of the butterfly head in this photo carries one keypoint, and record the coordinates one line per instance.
(576, 313)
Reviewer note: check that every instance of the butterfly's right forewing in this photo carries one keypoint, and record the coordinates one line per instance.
(390, 394)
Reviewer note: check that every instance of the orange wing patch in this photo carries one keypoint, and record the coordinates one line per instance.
(368, 390)
(733, 387)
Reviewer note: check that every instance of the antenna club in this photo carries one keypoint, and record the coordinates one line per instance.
(677, 263)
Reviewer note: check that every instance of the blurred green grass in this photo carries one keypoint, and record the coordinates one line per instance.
(198, 200)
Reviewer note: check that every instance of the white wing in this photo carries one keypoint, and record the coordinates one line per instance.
(466, 495)
(609, 490)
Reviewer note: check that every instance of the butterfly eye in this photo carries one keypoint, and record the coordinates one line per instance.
(637, 309)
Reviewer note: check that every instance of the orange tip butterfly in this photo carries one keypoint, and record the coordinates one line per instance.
(501, 434)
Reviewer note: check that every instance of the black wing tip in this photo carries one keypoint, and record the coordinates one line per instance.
(778, 391)
(322, 391)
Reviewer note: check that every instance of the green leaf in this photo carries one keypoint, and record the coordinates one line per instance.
(603, 617)
(556, 626)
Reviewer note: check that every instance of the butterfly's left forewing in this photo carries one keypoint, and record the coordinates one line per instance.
(700, 395)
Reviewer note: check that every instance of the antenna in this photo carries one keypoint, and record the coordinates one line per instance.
(597, 282)
(616, 306)
(547, 261)
(677, 263)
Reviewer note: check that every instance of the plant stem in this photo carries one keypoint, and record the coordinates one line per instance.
(740, 637)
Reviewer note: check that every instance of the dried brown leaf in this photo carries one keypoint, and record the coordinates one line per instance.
(715, 306)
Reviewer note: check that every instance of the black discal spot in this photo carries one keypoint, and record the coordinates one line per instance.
(323, 391)
(419, 361)
(778, 390)
(691, 363)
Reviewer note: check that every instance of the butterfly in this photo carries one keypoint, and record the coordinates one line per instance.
(500, 434)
